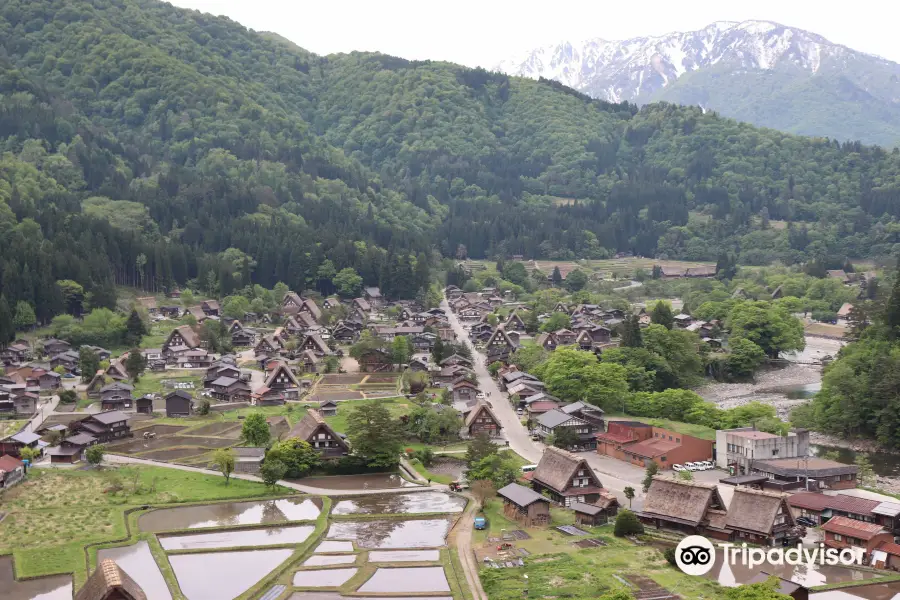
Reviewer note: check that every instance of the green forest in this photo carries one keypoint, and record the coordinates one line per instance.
(146, 145)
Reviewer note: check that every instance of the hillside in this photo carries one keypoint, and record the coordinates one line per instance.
(141, 141)
(755, 71)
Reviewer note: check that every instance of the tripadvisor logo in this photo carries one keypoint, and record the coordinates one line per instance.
(696, 555)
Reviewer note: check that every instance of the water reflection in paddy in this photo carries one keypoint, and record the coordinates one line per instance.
(420, 533)
(389, 556)
(404, 580)
(876, 591)
(327, 546)
(264, 536)
(224, 575)
(231, 513)
(138, 562)
(55, 587)
(323, 577)
(414, 502)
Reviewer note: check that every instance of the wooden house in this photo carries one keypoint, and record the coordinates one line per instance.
(551, 422)
(14, 443)
(12, 471)
(308, 362)
(586, 412)
(372, 296)
(566, 478)
(268, 345)
(313, 429)
(514, 322)
(109, 582)
(265, 396)
(315, 344)
(524, 506)
(179, 404)
(463, 390)
(210, 308)
(106, 427)
(456, 359)
(283, 380)
(760, 517)
(547, 341)
(565, 337)
(183, 336)
(229, 389)
(116, 396)
(690, 507)
(53, 346)
(291, 303)
(374, 360)
(598, 513)
(344, 334)
(220, 369)
(842, 532)
(481, 419)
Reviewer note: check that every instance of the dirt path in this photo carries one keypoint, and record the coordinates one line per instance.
(461, 537)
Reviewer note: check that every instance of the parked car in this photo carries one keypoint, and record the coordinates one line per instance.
(519, 411)
(480, 395)
(806, 521)
(710, 465)
(678, 468)
(689, 466)
(480, 523)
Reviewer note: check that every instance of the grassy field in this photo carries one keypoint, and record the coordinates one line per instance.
(398, 406)
(10, 427)
(152, 383)
(556, 568)
(55, 513)
(825, 329)
(700, 431)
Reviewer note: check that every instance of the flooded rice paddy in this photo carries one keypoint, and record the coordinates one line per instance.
(372, 481)
(412, 503)
(55, 587)
(323, 560)
(876, 591)
(231, 513)
(390, 556)
(138, 562)
(163, 443)
(264, 536)
(404, 580)
(224, 575)
(422, 533)
(327, 546)
(323, 577)
(733, 575)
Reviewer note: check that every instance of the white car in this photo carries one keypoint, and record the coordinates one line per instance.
(480, 395)
(708, 465)
(690, 466)
(677, 468)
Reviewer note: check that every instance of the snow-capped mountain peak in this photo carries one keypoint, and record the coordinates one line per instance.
(635, 69)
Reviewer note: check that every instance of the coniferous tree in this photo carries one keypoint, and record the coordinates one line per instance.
(7, 327)
(892, 310)
(662, 314)
(556, 277)
(135, 328)
(631, 333)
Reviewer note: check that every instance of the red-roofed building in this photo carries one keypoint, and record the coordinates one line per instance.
(820, 507)
(639, 443)
(12, 471)
(842, 532)
(887, 556)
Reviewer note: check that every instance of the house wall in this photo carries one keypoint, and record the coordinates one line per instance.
(741, 451)
(535, 514)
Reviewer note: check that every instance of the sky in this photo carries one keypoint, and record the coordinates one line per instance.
(482, 33)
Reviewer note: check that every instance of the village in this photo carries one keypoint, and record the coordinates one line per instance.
(566, 465)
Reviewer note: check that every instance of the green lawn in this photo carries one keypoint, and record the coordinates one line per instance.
(398, 406)
(10, 427)
(151, 383)
(55, 513)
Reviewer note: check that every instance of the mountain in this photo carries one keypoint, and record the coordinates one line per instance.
(754, 71)
(147, 145)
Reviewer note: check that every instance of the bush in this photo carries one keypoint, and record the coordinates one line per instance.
(669, 554)
(203, 409)
(425, 456)
(627, 524)
(94, 454)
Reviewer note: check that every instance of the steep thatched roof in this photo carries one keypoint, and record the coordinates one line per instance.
(109, 581)
(557, 467)
(681, 501)
(308, 425)
(281, 369)
(755, 510)
(481, 410)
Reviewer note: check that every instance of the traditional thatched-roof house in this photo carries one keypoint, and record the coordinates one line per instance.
(316, 344)
(566, 478)
(109, 582)
(481, 419)
(688, 506)
(312, 428)
(181, 336)
(760, 517)
(283, 380)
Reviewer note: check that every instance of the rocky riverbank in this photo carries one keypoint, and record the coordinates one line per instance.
(770, 387)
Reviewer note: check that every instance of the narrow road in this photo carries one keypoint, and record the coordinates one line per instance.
(45, 409)
(518, 437)
(631, 284)
(614, 475)
(461, 538)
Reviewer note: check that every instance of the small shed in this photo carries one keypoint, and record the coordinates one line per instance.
(144, 405)
(248, 459)
(179, 404)
(595, 514)
(524, 506)
(328, 408)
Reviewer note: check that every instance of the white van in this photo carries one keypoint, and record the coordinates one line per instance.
(528, 468)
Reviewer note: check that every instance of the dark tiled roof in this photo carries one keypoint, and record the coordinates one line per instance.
(520, 495)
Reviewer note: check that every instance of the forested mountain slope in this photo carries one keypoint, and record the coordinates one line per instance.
(140, 141)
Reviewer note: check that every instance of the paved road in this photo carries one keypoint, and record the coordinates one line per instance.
(631, 284)
(518, 437)
(45, 409)
(614, 475)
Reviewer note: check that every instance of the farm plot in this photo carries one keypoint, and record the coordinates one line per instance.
(230, 430)
(163, 443)
(342, 379)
